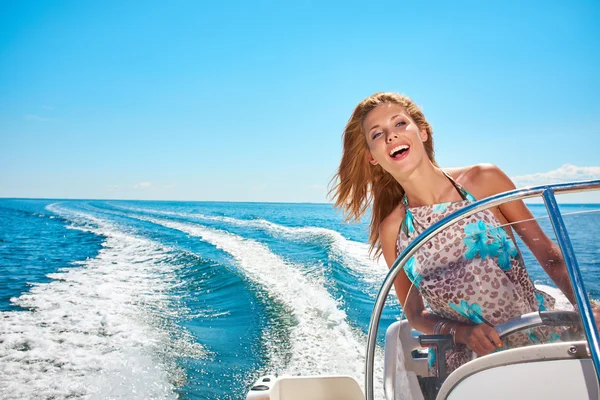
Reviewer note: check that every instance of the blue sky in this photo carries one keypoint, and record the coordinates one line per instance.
(246, 101)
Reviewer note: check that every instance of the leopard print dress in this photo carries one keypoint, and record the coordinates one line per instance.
(471, 272)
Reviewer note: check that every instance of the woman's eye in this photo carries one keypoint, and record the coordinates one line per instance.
(400, 123)
(376, 135)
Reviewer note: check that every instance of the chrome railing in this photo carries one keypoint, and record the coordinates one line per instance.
(547, 192)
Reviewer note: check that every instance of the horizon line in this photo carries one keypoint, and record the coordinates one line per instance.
(539, 202)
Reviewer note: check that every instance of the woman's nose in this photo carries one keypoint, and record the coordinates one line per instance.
(391, 136)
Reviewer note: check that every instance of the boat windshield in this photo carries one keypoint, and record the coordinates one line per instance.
(509, 266)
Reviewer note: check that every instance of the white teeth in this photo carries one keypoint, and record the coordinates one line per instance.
(398, 148)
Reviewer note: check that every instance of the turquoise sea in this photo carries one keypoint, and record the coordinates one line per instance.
(195, 300)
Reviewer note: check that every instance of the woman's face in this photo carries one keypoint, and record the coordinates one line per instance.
(394, 139)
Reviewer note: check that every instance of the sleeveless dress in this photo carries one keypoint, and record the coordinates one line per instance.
(471, 272)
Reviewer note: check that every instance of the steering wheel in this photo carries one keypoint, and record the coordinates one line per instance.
(539, 318)
(443, 343)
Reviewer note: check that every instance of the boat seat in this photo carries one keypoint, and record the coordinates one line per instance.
(401, 332)
(334, 387)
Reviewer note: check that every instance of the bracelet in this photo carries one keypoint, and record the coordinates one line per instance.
(437, 328)
(453, 332)
(443, 327)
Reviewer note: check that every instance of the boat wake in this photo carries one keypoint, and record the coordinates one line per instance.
(99, 330)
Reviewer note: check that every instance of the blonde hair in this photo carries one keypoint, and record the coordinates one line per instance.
(358, 183)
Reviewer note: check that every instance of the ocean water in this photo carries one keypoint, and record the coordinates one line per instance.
(195, 300)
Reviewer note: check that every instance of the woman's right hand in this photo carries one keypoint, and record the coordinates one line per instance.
(482, 339)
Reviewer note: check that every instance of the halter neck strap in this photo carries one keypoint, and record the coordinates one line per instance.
(464, 194)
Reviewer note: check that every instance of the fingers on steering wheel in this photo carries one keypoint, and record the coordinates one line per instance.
(494, 338)
(479, 349)
(485, 342)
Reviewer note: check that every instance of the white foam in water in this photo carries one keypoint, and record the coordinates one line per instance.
(354, 255)
(97, 330)
(562, 303)
(322, 341)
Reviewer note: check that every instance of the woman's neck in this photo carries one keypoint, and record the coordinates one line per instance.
(428, 185)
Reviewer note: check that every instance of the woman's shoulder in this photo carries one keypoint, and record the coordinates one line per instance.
(481, 180)
(388, 233)
(391, 223)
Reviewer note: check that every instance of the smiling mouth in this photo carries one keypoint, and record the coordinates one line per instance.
(399, 151)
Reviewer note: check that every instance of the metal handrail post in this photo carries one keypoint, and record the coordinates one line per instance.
(583, 302)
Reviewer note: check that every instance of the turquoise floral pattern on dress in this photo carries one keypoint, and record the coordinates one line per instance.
(440, 208)
(409, 222)
(506, 250)
(533, 337)
(477, 241)
(554, 337)
(540, 299)
(470, 311)
(411, 271)
(431, 357)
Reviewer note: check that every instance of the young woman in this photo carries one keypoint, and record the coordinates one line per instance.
(471, 275)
